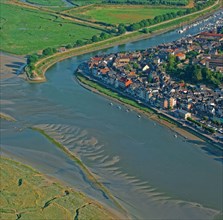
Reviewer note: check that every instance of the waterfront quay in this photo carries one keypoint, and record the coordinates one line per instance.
(182, 80)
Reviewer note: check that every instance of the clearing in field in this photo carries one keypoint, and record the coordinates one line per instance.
(25, 31)
(119, 13)
(27, 194)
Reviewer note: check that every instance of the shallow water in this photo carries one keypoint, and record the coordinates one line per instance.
(153, 174)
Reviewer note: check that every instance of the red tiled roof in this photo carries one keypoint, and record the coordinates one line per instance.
(96, 59)
(182, 84)
(104, 71)
(180, 54)
(126, 81)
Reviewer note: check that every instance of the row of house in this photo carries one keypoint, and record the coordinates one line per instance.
(142, 75)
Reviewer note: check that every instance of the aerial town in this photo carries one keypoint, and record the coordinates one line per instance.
(111, 109)
(182, 79)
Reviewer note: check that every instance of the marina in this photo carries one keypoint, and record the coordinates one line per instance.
(210, 23)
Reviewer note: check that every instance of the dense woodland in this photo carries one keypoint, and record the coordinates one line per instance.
(192, 73)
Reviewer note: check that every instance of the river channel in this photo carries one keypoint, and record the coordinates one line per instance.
(153, 174)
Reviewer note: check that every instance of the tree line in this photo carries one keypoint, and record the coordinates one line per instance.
(148, 2)
(160, 18)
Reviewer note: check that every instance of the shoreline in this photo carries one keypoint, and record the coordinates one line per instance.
(186, 132)
(151, 116)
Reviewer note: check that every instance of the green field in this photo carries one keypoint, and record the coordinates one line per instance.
(25, 31)
(27, 194)
(120, 14)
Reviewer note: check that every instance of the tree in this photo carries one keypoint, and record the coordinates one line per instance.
(69, 46)
(79, 43)
(32, 58)
(206, 74)
(31, 66)
(197, 75)
(144, 23)
(48, 51)
(94, 38)
(54, 50)
(171, 62)
(134, 27)
(103, 36)
(135, 65)
(191, 54)
(121, 29)
(128, 67)
(145, 30)
(180, 13)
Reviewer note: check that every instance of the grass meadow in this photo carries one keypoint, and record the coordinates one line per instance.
(24, 31)
(116, 14)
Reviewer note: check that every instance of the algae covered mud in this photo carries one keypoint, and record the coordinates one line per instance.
(149, 172)
(27, 194)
